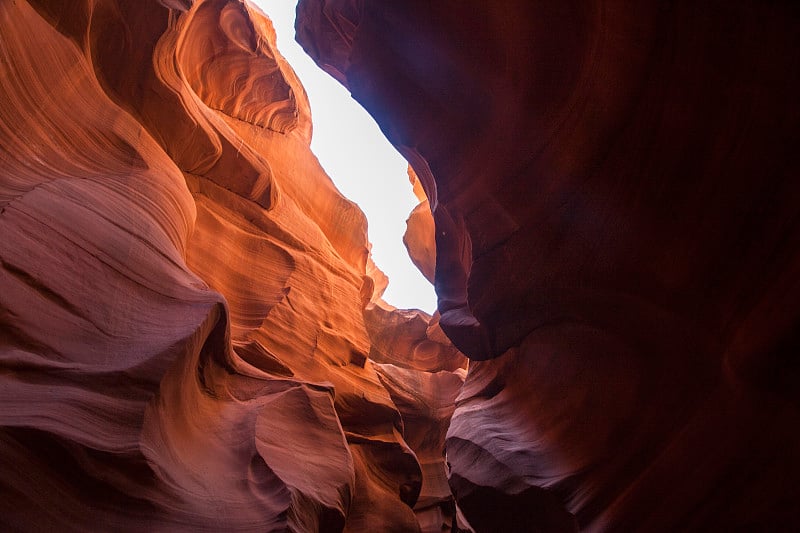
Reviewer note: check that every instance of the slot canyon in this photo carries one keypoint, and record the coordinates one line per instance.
(192, 334)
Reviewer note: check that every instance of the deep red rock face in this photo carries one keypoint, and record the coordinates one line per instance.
(191, 330)
(615, 196)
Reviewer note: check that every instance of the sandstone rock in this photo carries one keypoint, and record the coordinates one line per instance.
(420, 237)
(617, 247)
(184, 342)
(191, 329)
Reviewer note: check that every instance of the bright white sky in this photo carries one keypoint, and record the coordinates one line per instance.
(361, 162)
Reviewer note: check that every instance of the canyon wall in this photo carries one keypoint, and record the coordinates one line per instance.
(615, 196)
(191, 330)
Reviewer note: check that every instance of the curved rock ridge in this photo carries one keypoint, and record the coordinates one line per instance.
(420, 236)
(234, 70)
(191, 330)
(615, 202)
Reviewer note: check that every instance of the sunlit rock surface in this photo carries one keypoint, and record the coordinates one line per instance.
(420, 237)
(191, 330)
(615, 194)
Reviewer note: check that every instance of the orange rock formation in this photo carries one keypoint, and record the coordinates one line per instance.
(191, 331)
(615, 196)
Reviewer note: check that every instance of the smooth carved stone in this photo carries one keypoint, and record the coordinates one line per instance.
(615, 203)
(420, 237)
(185, 341)
(234, 70)
(420, 241)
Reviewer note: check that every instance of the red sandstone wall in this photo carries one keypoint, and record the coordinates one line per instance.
(615, 196)
(191, 334)
(187, 339)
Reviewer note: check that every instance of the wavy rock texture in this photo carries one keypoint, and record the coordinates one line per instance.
(615, 196)
(191, 330)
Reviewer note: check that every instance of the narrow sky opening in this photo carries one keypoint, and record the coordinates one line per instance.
(365, 167)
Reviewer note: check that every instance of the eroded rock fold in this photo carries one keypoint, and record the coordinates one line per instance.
(191, 330)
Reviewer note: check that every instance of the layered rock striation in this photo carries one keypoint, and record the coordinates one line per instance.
(615, 197)
(191, 330)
